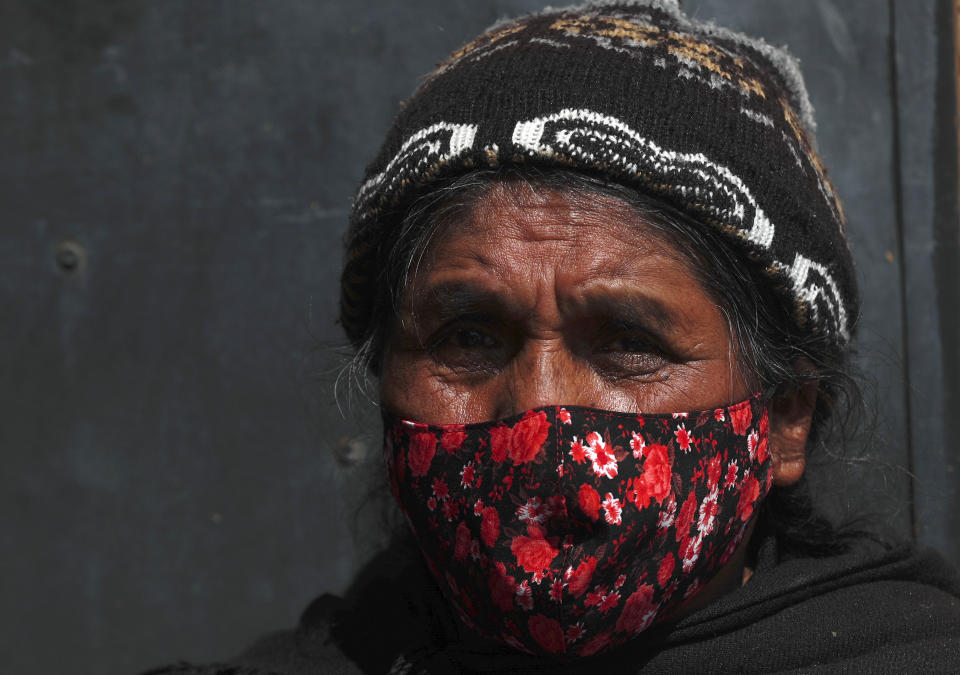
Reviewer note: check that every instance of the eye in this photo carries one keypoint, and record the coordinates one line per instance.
(471, 338)
(631, 344)
(468, 347)
(629, 354)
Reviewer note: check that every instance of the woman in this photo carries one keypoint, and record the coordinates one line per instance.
(603, 280)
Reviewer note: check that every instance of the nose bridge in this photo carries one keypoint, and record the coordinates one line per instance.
(543, 373)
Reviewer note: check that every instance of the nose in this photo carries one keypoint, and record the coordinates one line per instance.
(543, 373)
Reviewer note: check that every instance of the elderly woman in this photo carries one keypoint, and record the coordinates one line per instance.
(602, 278)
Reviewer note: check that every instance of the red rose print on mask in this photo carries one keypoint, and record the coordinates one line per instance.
(462, 549)
(502, 587)
(762, 451)
(423, 445)
(740, 416)
(578, 580)
(748, 495)
(578, 453)
(687, 512)
(654, 483)
(547, 632)
(528, 436)
(665, 571)
(500, 442)
(595, 645)
(569, 530)
(453, 439)
(713, 471)
(764, 432)
(638, 612)
(534, 553)
(589, 500)
(490, 526)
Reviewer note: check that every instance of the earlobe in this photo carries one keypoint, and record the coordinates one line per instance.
(791, 416)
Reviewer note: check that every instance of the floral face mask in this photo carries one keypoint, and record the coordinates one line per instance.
(568, 530)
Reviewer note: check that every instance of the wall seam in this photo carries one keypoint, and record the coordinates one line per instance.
(897, 170)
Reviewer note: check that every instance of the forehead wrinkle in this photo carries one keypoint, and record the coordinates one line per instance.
(514, 216)
(558, 215)
(520, 288)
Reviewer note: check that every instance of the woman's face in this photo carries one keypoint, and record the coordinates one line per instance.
(542, 298)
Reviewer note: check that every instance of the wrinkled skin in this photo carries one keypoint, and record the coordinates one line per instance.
(540, 298)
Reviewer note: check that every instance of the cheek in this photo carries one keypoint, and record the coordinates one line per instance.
(692, 386)
(412, 387)
(686, 387)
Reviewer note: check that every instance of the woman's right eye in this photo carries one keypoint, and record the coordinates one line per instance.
(468, 348)
(471, 338)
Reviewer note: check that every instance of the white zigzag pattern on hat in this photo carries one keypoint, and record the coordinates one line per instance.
(614, 143)
(437, 143)
(622, 146)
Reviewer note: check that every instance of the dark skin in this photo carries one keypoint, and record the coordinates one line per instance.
(540, 298)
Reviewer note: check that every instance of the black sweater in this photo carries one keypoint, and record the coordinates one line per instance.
(874, 609)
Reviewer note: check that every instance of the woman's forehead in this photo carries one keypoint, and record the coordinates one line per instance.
(520, 218)
(554, 252)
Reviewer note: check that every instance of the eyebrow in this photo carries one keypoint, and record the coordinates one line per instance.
(632, 309)
(450, 299)
(633, 306)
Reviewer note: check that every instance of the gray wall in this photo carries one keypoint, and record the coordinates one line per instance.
(177, 478)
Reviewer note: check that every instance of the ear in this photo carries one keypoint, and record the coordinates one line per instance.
(790, 417)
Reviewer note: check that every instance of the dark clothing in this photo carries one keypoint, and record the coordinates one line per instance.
(874, 609)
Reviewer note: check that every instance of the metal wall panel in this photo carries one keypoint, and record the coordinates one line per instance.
(175, 179)
(926, 105)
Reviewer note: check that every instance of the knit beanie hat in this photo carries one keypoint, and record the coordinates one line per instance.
(710, 121)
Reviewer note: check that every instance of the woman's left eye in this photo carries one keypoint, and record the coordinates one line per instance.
(629, 344)
(630, 355)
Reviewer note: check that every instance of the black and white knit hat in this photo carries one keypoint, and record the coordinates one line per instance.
(708, 120)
